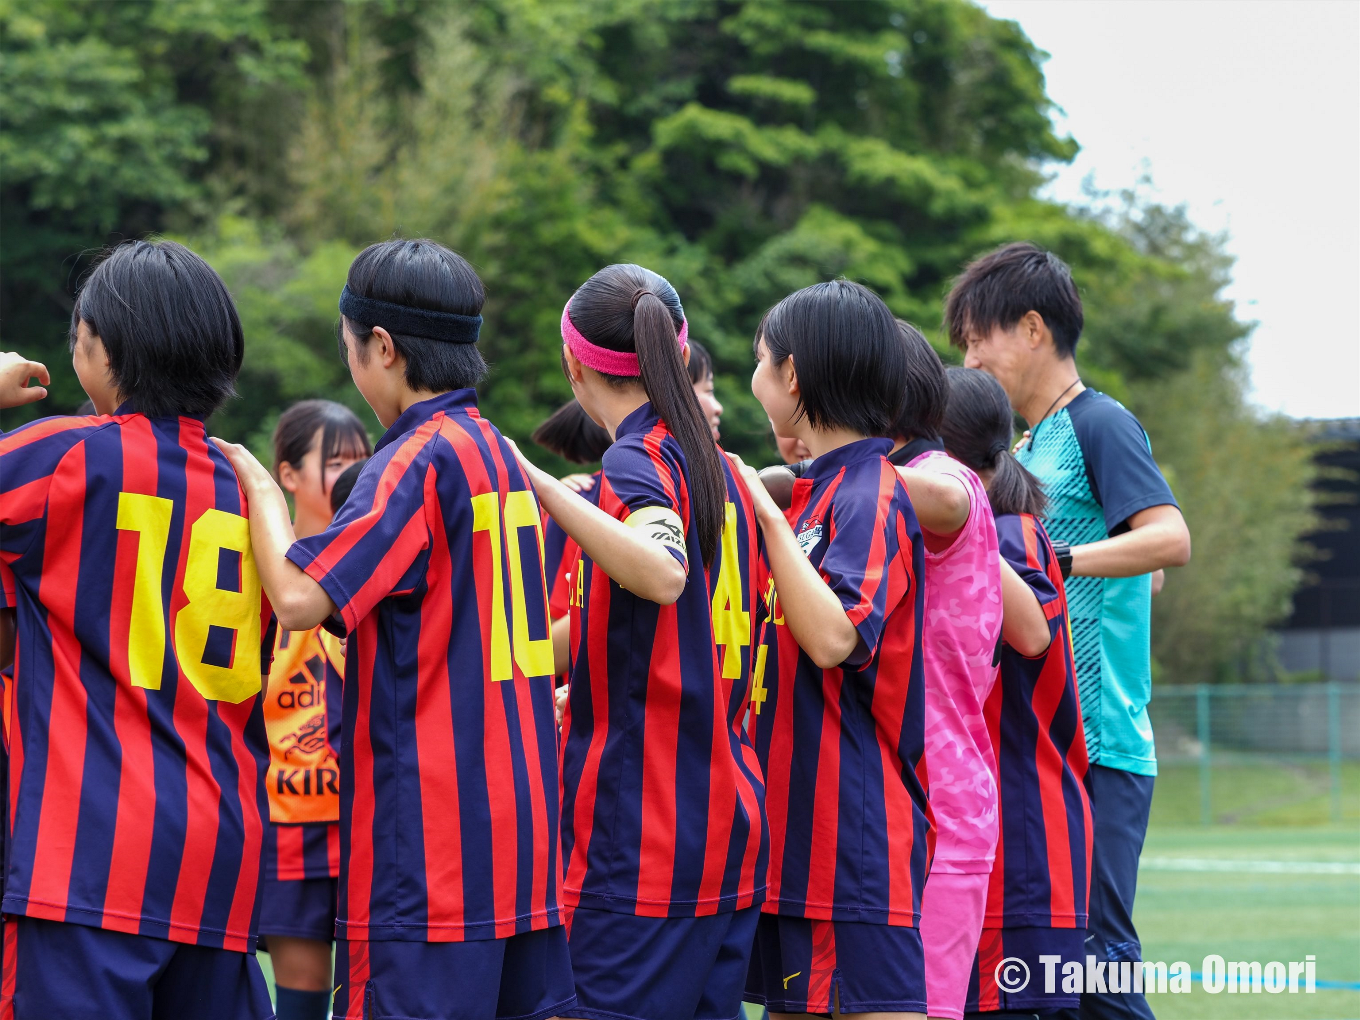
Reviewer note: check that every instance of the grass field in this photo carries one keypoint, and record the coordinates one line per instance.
(1239, 910)
(1245, 915)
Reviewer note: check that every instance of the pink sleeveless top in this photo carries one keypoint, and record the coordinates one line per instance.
(960, 635)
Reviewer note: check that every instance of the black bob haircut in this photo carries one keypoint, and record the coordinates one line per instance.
(573, 435)
(847, 351)
(420, 274)
(341, 433)
(700, 365)
(927, 392)
(1002, 286)
(169, 327)
(344, 485)
(978, 429)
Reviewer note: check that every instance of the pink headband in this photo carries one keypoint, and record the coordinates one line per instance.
(602, 359)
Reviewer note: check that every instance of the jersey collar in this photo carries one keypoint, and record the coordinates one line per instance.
(418, 414)
(828, 464)
(914, 449)
(640, 419)
(125, 408)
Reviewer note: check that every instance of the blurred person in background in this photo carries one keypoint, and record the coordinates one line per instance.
(315, 442)
(701, 375)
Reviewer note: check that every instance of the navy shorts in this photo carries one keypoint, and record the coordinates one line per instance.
(299, 908)
(56, 969)
(804, 966)
(523, 977)
(659, 968)
(995, 969)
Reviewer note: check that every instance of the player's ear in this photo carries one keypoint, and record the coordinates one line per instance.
(575, 373)
(1032, 328)
(387, 348)
(790, 373)
(288, 477)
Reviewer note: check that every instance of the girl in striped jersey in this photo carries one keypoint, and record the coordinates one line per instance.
(1037, 896)
(315, 442)
(662, 828)
(838, 708)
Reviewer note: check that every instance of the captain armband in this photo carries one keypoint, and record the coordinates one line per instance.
(662, 524)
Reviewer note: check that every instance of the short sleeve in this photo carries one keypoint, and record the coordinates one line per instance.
(1022, 547)
(29, 457)
(645, 480)
(862, 555)
(1119, 466)
(377, 538)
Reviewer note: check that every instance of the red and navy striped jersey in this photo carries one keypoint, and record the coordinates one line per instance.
(560, 553)
(661, 790)
(1041, 877)
(559, 567)
(846, 790)
(302, 710)
(137, 740)
(448, 782)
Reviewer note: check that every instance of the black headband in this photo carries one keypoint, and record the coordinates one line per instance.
(449, 327)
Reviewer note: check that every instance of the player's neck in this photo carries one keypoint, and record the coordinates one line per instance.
(308, 524)
(408, 398)
(819, 442)
(614, 405)
(1057, 387)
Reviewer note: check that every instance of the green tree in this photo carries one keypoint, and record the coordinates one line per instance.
(743, 148)
(110, 114)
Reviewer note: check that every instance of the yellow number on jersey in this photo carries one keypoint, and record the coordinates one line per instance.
(534, 658)
(731, 624)
(211, 606)
(759, 692)
(207, 605)
(149, 516)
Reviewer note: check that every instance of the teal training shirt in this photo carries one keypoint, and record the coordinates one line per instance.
(1096, 465)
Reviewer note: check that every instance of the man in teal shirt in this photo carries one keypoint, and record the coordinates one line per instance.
(1113, 521)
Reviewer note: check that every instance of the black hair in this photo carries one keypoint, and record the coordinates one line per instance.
(420, 274)
(573, 435)
(847, 351)
(169, 327)
(341, 433)
(344, 484)
(1002, 286)
(628, 308)
(926, 393)
(700, 365)
(978, 429)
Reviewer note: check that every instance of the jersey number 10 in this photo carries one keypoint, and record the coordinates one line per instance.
(533, 657)
(207, 607)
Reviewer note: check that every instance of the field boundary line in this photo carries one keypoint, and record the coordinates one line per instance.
(1227, 864)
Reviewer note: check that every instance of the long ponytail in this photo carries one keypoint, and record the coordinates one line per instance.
(633, 310)
(977, 430)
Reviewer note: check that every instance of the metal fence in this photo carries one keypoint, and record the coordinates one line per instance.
(1265, 754)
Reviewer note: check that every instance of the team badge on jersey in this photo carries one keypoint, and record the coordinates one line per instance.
(810, 536)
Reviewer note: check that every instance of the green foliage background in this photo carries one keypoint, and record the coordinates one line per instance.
(743, 148)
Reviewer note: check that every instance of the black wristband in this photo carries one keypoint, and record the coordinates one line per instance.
(1063, 552)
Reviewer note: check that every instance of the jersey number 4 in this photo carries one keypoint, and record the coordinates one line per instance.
(731, 623)
(208, 612)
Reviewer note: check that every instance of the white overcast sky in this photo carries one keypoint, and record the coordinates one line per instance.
(1248, 111)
